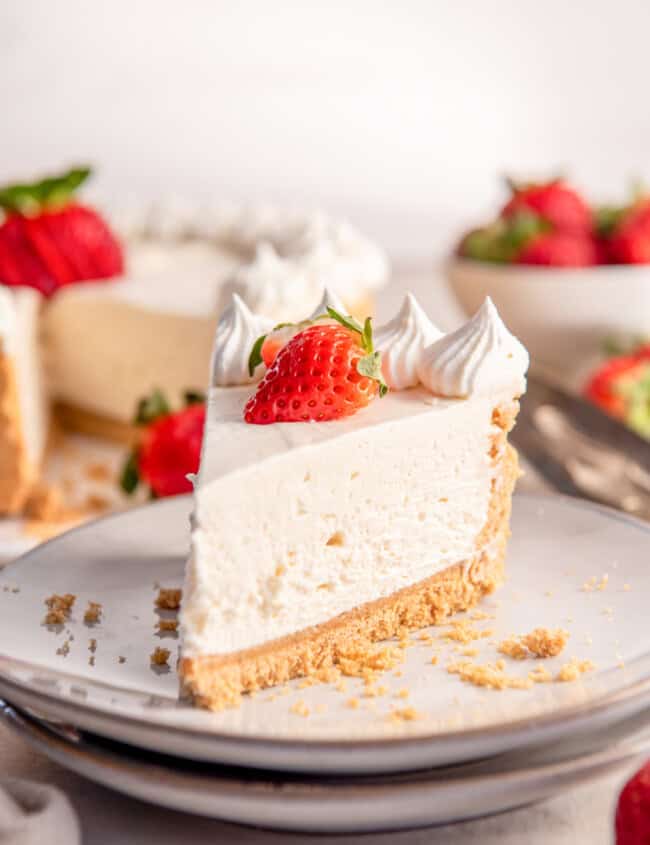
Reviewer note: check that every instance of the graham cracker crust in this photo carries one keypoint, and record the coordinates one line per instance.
(16, 473)
(73, 418)
(217, 681)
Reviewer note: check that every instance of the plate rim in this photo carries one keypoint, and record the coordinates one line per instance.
(542, 723)
(269, 790)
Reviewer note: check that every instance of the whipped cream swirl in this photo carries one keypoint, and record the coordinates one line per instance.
(481, 357)
(237, 331)
(274, 286)
(401, 343)
(328, 300)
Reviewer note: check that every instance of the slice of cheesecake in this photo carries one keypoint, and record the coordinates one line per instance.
(345, 517)
(24, 417)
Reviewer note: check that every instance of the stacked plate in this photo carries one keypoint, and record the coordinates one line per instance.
(420, 746)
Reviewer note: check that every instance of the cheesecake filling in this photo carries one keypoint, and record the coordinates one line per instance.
(316, 519)
(297, 523)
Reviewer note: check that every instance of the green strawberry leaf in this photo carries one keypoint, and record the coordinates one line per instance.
(370, 366)
(51, 192)
(348, 322)
(255, 358)
(130, 477)
(151, 408)
(193, 397)
(502, 240)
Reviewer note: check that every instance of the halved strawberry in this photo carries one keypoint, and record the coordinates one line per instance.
(325, 372)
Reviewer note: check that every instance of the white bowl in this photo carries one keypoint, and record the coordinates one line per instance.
(562, 315)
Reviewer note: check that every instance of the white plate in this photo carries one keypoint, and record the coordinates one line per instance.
(336, 805)
(557, 545)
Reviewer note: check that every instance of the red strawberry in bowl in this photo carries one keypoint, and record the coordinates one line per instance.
(633, 811)
(327, 371)
(629, 241)
(558, 204)
(560, 249)
(48, 240)
(170, 446)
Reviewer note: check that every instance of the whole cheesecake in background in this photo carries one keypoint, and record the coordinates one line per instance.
(92, 323)
(154, 328)
(331, 513)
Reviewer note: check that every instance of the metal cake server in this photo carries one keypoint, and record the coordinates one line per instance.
(580, 450)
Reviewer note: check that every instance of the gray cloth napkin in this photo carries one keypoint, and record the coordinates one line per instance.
(35, 814)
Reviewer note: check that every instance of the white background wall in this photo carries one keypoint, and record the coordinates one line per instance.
(400, 114)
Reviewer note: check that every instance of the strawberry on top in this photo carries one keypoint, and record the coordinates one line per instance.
(48, 240)
(326, 371)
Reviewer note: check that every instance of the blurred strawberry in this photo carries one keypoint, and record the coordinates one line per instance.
(560, 249)
(629, 241)
(502, 240)
(633, 811)
(47, 240)
(555, 202)
(170, 446)
(621, 387)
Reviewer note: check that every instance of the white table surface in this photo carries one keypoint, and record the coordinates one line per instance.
(581, 816)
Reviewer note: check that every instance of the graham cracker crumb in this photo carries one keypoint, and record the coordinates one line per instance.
(59, 608)
(98, 472)
(300, 709)
(405, 714)
(594, 583)
(169, 598)
(540, 675)
(488, 675)
(513, 647)
(160, 656)
(96, 503)
(462, 631)
(353, 703)
(64, 650)
(542, 642)
(481, 615)
(402, 693)
(434, 660)
(167, 625)
(469, 651)
(572, 670)
(280, 570)
(45, 503)
(93, 613)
